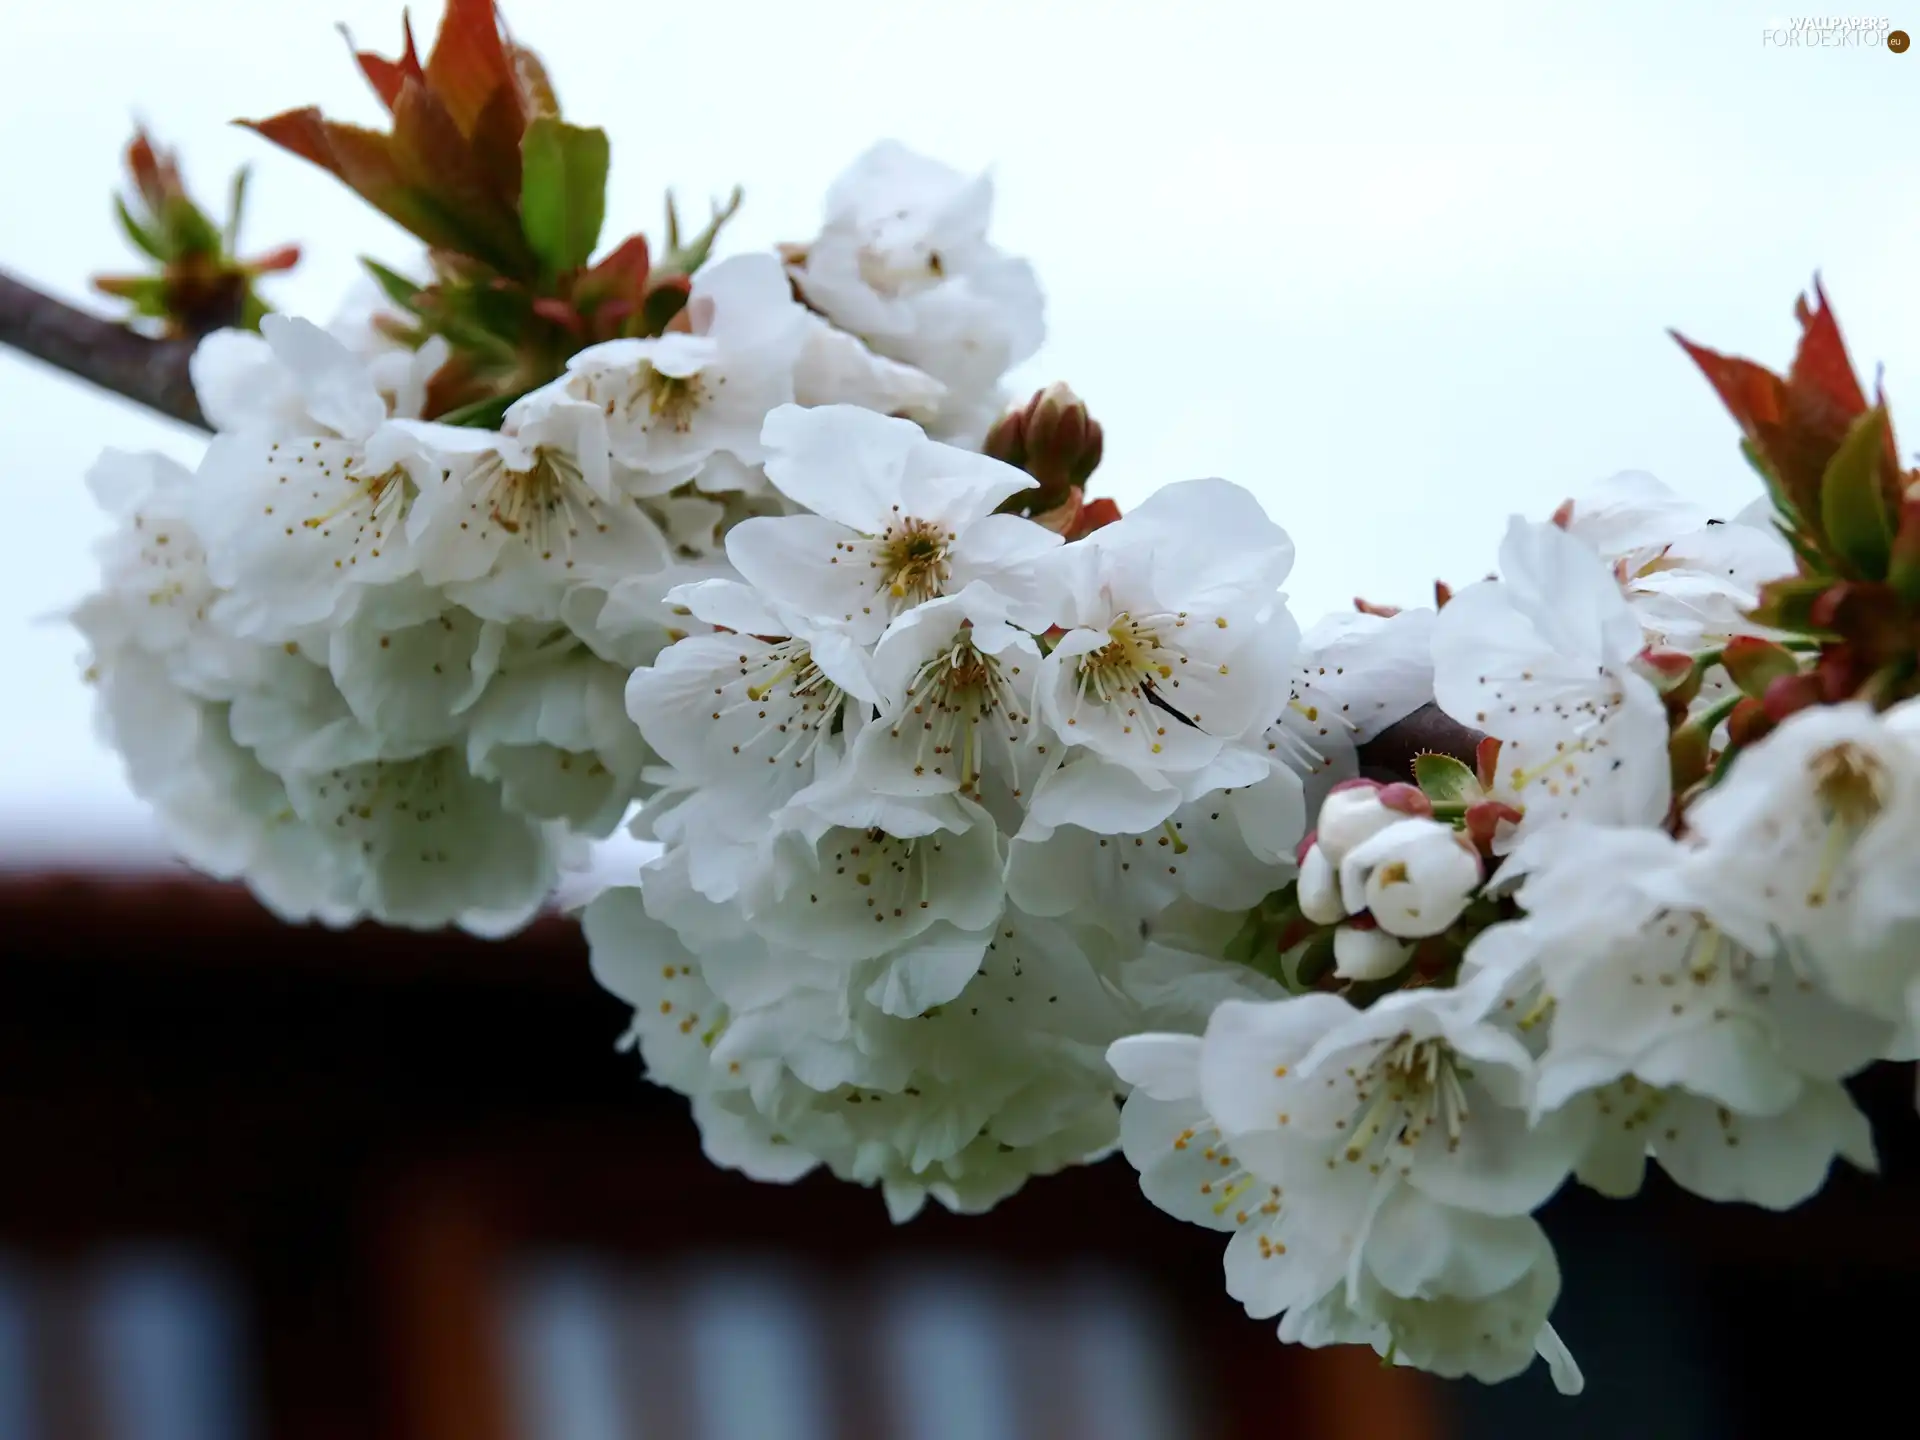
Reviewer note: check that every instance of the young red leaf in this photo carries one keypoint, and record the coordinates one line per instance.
(303, 132)
(433, 157)
(468, 64)
(386, 76)
(1820, 365)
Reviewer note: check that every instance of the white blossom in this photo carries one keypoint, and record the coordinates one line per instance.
(296, 526)
(1176, 652)
(903, 261)
(1808, 841)
(1542, 659)
(1355, 675)
(896, 519)
(524, 514)
(1672, 1036)
(673, 402)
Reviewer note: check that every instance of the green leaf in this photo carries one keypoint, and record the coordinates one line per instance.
(481, 414)
(1787, 604)
(397, 288)
(685, 257)
(1853, 508)
(142, 238)
(185, 230)
(1445, 780)
(1775, 491)
(563, 191)
(236, 207)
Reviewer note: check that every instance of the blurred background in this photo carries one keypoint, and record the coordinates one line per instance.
(1400, 269)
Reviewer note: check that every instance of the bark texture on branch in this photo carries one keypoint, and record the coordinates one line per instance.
(149, 372)
(1390, 754)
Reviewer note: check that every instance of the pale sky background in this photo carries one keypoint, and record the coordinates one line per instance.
(1401, 269)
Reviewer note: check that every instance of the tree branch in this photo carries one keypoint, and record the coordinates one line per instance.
(1389, 755)
(149, 372)
(153, 373)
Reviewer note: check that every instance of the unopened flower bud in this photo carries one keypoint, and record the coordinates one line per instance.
(1054, 439)
(1415, 877)
(1668, 671)
(1405, 799)
(1748, 722)
(1790, 694)
(1753, 664)
(1318, 889)
(1351, 812)
(1366, 952)
(1007, 440)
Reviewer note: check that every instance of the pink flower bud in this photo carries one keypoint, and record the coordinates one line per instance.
(1350, 813)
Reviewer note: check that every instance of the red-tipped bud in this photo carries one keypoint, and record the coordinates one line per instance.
(1753, 664)
(1563, 514)
(1053, 438)
(1789, 695)
(1840, 673)
(1367, 607)
(1667, 670)
(1007, 440)
(1406, 799)
(1747, 722)
(1442, 593)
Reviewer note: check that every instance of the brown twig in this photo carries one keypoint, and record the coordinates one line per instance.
(149, 372)
(1389, 755)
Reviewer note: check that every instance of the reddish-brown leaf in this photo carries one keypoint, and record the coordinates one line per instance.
(385, 75)
(284, 257)
(494, 141)
(1821, 363)
(560, 313)
(433, 157)
(303, 131)
(1796, 430)
(468, 63)
(1754, 394)
(366, 161)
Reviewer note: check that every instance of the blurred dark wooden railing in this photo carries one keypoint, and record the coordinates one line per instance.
(372, 1130)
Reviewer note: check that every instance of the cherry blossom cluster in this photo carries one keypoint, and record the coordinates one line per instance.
(1554, 965)
(994, 831)
(949, 805)
(375, 665)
